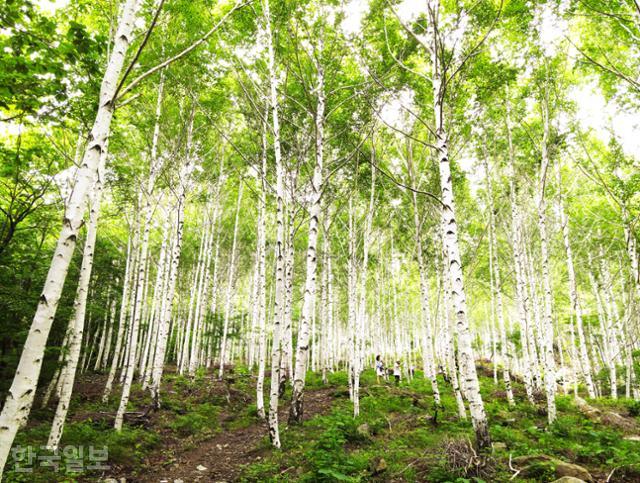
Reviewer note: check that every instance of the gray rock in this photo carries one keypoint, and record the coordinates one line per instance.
(617, 421)
(568, 479)
(532, 466)
(573, 471)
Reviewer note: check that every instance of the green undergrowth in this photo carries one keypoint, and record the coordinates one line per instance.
(400, 435)
(81, 452)
(191, 411)
(419, 442)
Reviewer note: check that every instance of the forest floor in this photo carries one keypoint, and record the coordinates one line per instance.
(208, 430)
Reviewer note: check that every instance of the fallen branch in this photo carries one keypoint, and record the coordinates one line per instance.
(517, 472)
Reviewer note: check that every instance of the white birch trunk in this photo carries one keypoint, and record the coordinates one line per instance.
(451, 350)
(261, 281)
(107, 349)
(361, 312)
(203, 294)
(158, 298)
(351, 300)
(198, 294)
(230, 286)
(547, 326)
(308, 304)
(331, 325)
(142, 276)
(103, 334)
(467, 362)
(185, 337)
(276, 349)
(608, 355)
(54, 383)
(214, 299)
(286, 361)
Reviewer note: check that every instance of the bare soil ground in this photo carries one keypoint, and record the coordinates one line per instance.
(221, 457)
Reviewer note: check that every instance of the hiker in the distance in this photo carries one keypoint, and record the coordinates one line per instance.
(379, 368)
(397, 370)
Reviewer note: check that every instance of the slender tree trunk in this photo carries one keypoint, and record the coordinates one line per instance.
(465, 350)
(360, 305)
(164, 316)
(54, 383)
(89, 348)
(158, 297)
(230, 286)
(103, 332)
(326, 304)
(549, 360)
(262, 273)
(331, 325)
(286, 361)
(253, 335)
(308, 305)
(202, 294)
(147, 214)
(197, 358)
(632, 253)
(214, 298)
(608, 356)
(276, 349)
(154, 169)
(451, 350)
(351, 300)
(185, 337)
(107, 349)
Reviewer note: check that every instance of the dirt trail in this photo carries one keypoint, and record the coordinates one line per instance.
(223, 455)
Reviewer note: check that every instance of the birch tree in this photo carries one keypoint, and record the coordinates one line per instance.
(276, 349)
(308, 305)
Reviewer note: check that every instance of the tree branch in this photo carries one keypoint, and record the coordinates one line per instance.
(184, 52)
